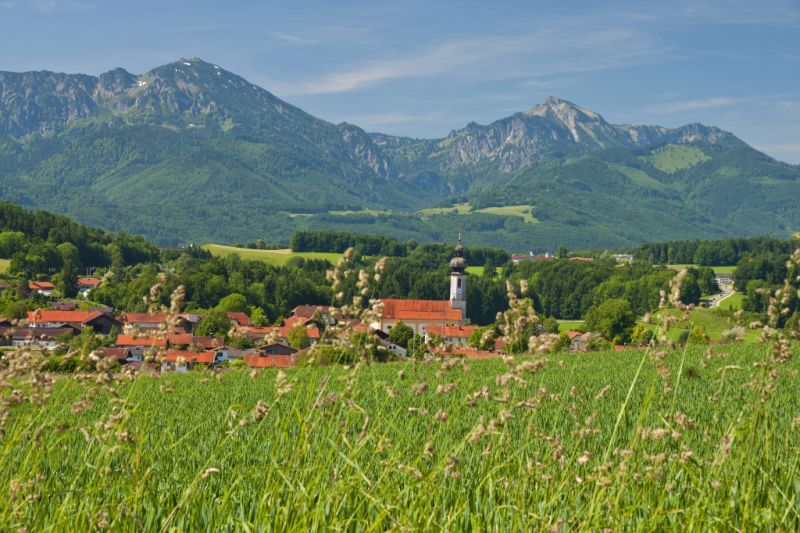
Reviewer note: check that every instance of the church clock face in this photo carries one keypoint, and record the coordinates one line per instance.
(458, 290)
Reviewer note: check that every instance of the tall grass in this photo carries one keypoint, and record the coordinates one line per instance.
(517, 445)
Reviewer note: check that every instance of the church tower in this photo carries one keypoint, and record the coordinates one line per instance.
(458, 281)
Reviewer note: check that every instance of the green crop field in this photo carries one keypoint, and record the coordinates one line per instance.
(726, 269)
(4, 263)
(523, 211)
(273, 257)
(624, 441)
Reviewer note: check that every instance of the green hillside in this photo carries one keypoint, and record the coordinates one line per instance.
(271, 257)
(191, 153)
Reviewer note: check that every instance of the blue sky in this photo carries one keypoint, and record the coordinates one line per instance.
(423, 68)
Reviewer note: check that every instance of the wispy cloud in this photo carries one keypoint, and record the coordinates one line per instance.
(291, 39)
(395, 118)
(669, 108)
(567, 47)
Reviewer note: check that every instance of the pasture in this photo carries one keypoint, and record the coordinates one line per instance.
(272, 257)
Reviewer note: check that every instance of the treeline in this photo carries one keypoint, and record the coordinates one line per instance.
(372, 245)
(339, 241)
(567, 289)
(710, 253)
(39, 243)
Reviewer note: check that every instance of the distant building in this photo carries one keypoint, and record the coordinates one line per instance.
(420, 315)
(45, 288)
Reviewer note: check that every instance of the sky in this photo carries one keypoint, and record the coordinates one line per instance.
(424, 68)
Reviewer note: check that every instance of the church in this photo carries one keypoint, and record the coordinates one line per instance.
(420, 315)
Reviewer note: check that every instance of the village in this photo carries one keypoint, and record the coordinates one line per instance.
(169, 342)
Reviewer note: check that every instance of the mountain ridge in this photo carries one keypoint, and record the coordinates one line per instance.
(122, 151)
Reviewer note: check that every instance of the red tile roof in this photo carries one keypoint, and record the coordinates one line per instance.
(41, 285)
(206, 358)
(130, 340)
(436, 310)
(267, 361)
(181, 338)
(470, 353)
(451, 332)
(145, 318)
(55, 316)
(307, 311)
(90, 282)
(240, 318)
(571, 334)
(313, 332)
(208, 342)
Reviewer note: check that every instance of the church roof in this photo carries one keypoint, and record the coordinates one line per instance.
(394, 309)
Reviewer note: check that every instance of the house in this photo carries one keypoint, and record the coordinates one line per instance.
(464, 351)
(85, 285)
(309, 312)
(282, 332)
(122, 355)
(451, 334)
(44, 337)
(282, 358)
(577, 342)
(45, 288)
(239, 319)
(139, 344)
(182, 360)
(61, 305)
(100, 321)
(183, 323)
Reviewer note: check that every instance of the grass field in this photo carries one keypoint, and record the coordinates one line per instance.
(579, 442)
(713, 323)
(273, 257)
(475, 270)
(726, 269)
(522, 211)
(674, 157)
(733, 302)
(567, 325)
(4, 263)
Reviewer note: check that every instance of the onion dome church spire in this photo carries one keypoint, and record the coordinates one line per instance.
(458, 280)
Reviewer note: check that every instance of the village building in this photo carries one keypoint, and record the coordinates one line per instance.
(44, 337)
(100, 321)
(451, 334)
(420, 315)
(183, 361)
(85, 285)
(45, 288)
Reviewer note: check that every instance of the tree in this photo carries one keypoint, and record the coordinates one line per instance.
(612, 318)
(562, 252)
(400, 334)
(697, 336)
(298, 337)
(214, 323)
(68, 283)
(258, 317)
(233, 302)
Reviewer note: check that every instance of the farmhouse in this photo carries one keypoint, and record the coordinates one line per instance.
(45, 288)
(100, 321)
(88, 284)
(182, 361)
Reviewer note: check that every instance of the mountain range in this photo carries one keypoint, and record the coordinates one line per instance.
(191, 153)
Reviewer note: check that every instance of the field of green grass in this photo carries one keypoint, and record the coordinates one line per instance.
(523, 211)
(674, 157)
(273, 257)
(567, 325)
(709, 319)
(615, 440)
(725, 269)
(475, 270)
(733, 302)
(4, 264)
